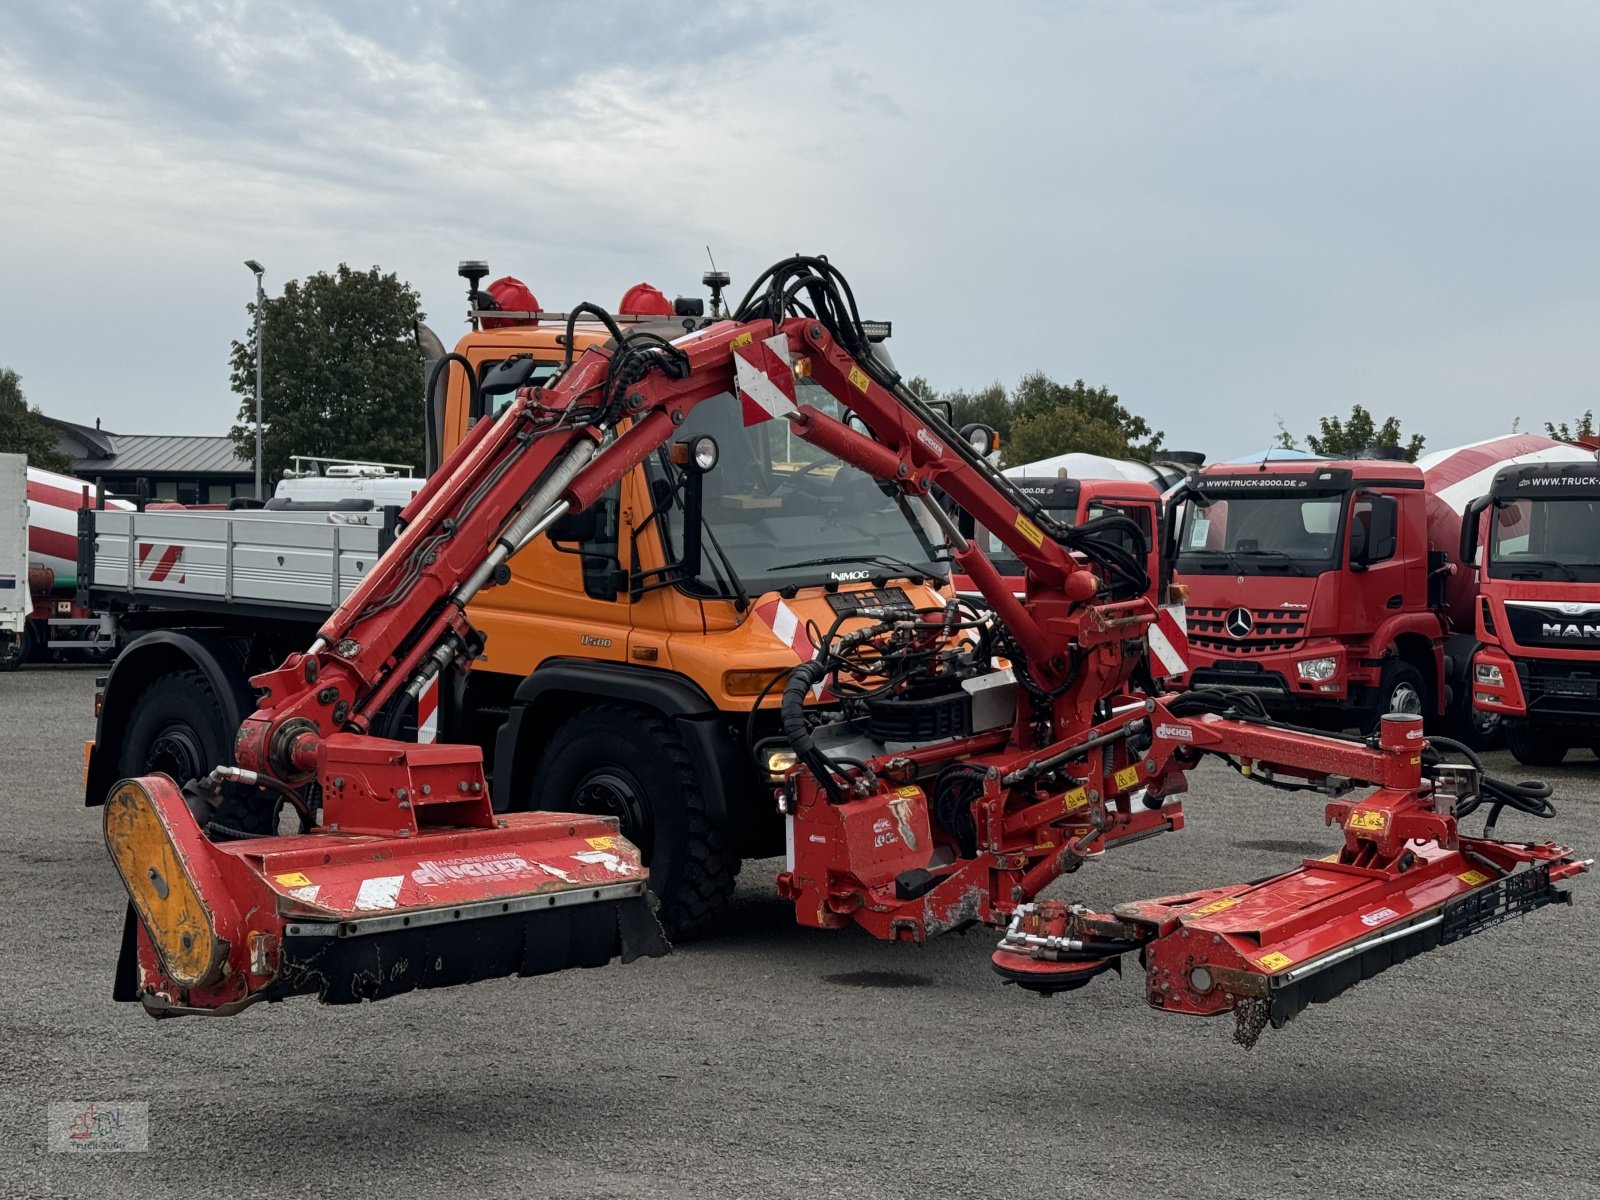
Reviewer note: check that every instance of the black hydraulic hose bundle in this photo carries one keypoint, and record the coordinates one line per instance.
(1531, 796)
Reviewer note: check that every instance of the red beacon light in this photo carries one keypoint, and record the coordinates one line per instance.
(511, 295)
(645, 301)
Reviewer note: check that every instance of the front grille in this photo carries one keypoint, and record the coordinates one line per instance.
(1273, 629)
(1556, 688)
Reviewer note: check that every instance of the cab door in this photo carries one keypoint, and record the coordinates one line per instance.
(1377, 564)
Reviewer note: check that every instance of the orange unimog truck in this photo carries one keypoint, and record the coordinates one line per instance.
(633, 656)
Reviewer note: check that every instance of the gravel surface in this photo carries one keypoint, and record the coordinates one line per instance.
(776, 1061)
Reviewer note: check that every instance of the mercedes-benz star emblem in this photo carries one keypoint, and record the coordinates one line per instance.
(1239, 622)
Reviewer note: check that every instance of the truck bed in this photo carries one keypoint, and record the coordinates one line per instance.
(244, 559)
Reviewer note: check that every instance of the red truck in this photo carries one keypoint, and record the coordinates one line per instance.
(1538, 609)
(1335, 589)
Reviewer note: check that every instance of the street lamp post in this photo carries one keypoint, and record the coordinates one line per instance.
(261, 297)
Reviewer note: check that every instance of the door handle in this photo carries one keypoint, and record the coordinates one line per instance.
(1394, 601)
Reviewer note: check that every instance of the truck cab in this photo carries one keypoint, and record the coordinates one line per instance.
(1311, 584)
(1072, 501)
(1538, 606)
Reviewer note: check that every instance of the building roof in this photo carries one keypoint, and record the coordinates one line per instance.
(167, 454)
(96, 451)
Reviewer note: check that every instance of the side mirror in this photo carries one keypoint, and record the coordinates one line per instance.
(695, 455)
(577, 527)
(1469, 528)
(507, 376)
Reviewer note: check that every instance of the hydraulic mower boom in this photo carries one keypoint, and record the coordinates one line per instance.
(963, 759)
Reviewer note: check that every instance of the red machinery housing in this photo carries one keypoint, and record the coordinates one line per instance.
(975, 751)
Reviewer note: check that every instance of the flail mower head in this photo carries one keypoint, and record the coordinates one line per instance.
(418, 885)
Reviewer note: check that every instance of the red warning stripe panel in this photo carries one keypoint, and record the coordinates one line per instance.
(167, 557)
(765, 379)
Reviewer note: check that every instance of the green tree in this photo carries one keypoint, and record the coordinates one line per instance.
(1283, 439)
(22, 428)
(1341, 438)
(1582, 427)
(1041, 418)
(1049, 418)
(340, 372)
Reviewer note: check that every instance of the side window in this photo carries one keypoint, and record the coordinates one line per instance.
(493, 406)
(1374, 529)
(1138, 515)
(595, 536)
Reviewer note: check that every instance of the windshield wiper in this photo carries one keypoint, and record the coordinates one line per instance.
(1283, 554)
(881, 560)
(1515, 565)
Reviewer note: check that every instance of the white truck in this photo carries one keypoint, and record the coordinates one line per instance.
(16, 602)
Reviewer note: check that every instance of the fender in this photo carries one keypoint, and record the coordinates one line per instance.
(1424, 625)
(153, 654)
(546, 695)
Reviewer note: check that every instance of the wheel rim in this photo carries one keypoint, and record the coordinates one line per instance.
(1406, 700)
(610, 791)
(176, 751)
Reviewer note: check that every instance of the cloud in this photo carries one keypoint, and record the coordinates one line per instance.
(1214, 210)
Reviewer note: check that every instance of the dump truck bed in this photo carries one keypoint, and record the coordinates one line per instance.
(275, 560)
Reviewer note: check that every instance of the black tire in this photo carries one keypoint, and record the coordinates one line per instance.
(1532, 748)
(1400, 689)
(176, 729)
(16, 649)
(629, 763)
(1470, 725)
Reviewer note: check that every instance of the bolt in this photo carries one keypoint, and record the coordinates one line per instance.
(338, 781)
(1185, 933)
(1216, 938)
(405, 804)
(462, 786)
(427, 789)
(402, 794)
(476, 787)
(1149, 764)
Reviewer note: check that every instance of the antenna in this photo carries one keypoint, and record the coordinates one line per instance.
(473, 270)
(716, 280)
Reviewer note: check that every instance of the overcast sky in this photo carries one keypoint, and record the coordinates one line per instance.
(1222, 212)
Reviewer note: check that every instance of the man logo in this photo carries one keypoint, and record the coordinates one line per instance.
(1556, 629)
(1239, 622)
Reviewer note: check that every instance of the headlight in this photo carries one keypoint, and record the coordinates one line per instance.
(1488, 673)
(1317, 668)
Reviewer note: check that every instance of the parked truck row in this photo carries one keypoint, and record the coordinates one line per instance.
(1340, 591)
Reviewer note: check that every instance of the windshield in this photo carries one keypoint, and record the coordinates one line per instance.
(775, 501)
(1008, 564)
(1545, 539)
(1260, 534)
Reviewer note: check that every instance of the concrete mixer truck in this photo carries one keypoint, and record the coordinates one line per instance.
(40, 611)
(1336, 590)
(1535, 533)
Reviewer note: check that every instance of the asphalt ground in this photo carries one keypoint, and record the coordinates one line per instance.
(776, 1061)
